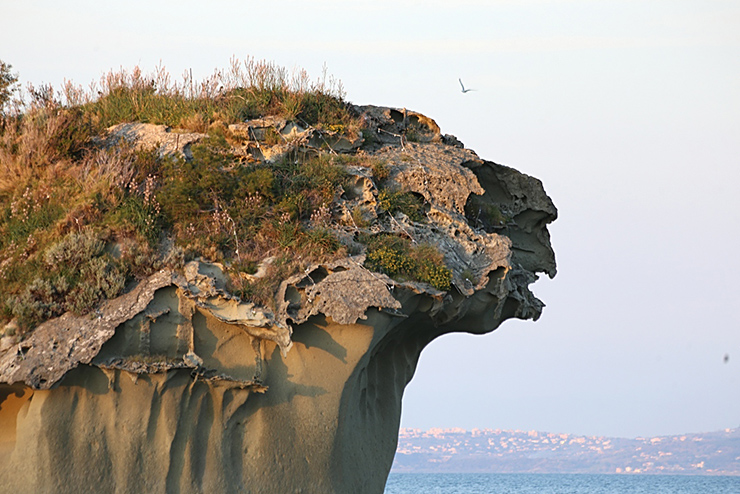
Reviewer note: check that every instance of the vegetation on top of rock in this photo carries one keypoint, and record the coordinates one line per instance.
(399, 258)
(82, 217)
(247, 89)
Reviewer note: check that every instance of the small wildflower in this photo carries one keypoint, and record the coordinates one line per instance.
(321, 216)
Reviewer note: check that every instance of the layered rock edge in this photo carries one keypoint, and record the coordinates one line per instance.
(180, 386)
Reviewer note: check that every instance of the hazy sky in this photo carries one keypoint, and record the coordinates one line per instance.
(628, 111)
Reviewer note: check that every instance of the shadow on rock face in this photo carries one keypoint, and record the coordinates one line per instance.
(315, 335)
(280, 374)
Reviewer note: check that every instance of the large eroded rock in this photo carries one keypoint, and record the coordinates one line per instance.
(178, 386)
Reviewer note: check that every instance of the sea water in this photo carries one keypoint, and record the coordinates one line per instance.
(484, 483)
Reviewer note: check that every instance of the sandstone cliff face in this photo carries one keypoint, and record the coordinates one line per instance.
(180, 386)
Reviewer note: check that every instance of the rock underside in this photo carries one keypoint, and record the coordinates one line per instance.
(180, 386)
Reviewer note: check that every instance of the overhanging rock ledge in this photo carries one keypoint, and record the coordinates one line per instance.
(181, 386)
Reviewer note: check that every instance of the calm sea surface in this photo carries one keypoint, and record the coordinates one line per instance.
(483, 483)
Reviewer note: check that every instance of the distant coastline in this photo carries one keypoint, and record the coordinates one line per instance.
(499, 451)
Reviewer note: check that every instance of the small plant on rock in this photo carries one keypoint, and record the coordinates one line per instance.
(399, 258)
(78, 275)
(400, 201)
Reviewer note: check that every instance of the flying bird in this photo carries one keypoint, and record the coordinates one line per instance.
(727, 357)
(463, 87)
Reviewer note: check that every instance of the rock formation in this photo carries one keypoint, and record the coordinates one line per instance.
(180, 386)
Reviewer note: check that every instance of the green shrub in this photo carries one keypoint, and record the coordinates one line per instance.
(75, 249)
(320, 176)
(358, 217)
(260, 180)
(439, 277)
(380, 171)
(320, 108)
(99, 280)
(139, 258)
(320, 242)
(390, 255)
(39, 301)
(412, 135)
(369, 138)
(405, 202)
(468, 275)
(399, 258)
(139, 216)
(483, 213)
(76, 276)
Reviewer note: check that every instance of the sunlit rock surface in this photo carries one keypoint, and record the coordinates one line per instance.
(179, 386)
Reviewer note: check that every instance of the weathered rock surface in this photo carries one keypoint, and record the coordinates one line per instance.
(179, 386)
(148, 136)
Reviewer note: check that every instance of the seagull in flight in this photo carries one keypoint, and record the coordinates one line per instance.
(463, 87)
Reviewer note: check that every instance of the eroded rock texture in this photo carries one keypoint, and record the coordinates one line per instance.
(178, 386)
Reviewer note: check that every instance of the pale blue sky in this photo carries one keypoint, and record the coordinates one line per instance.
(629, 111)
